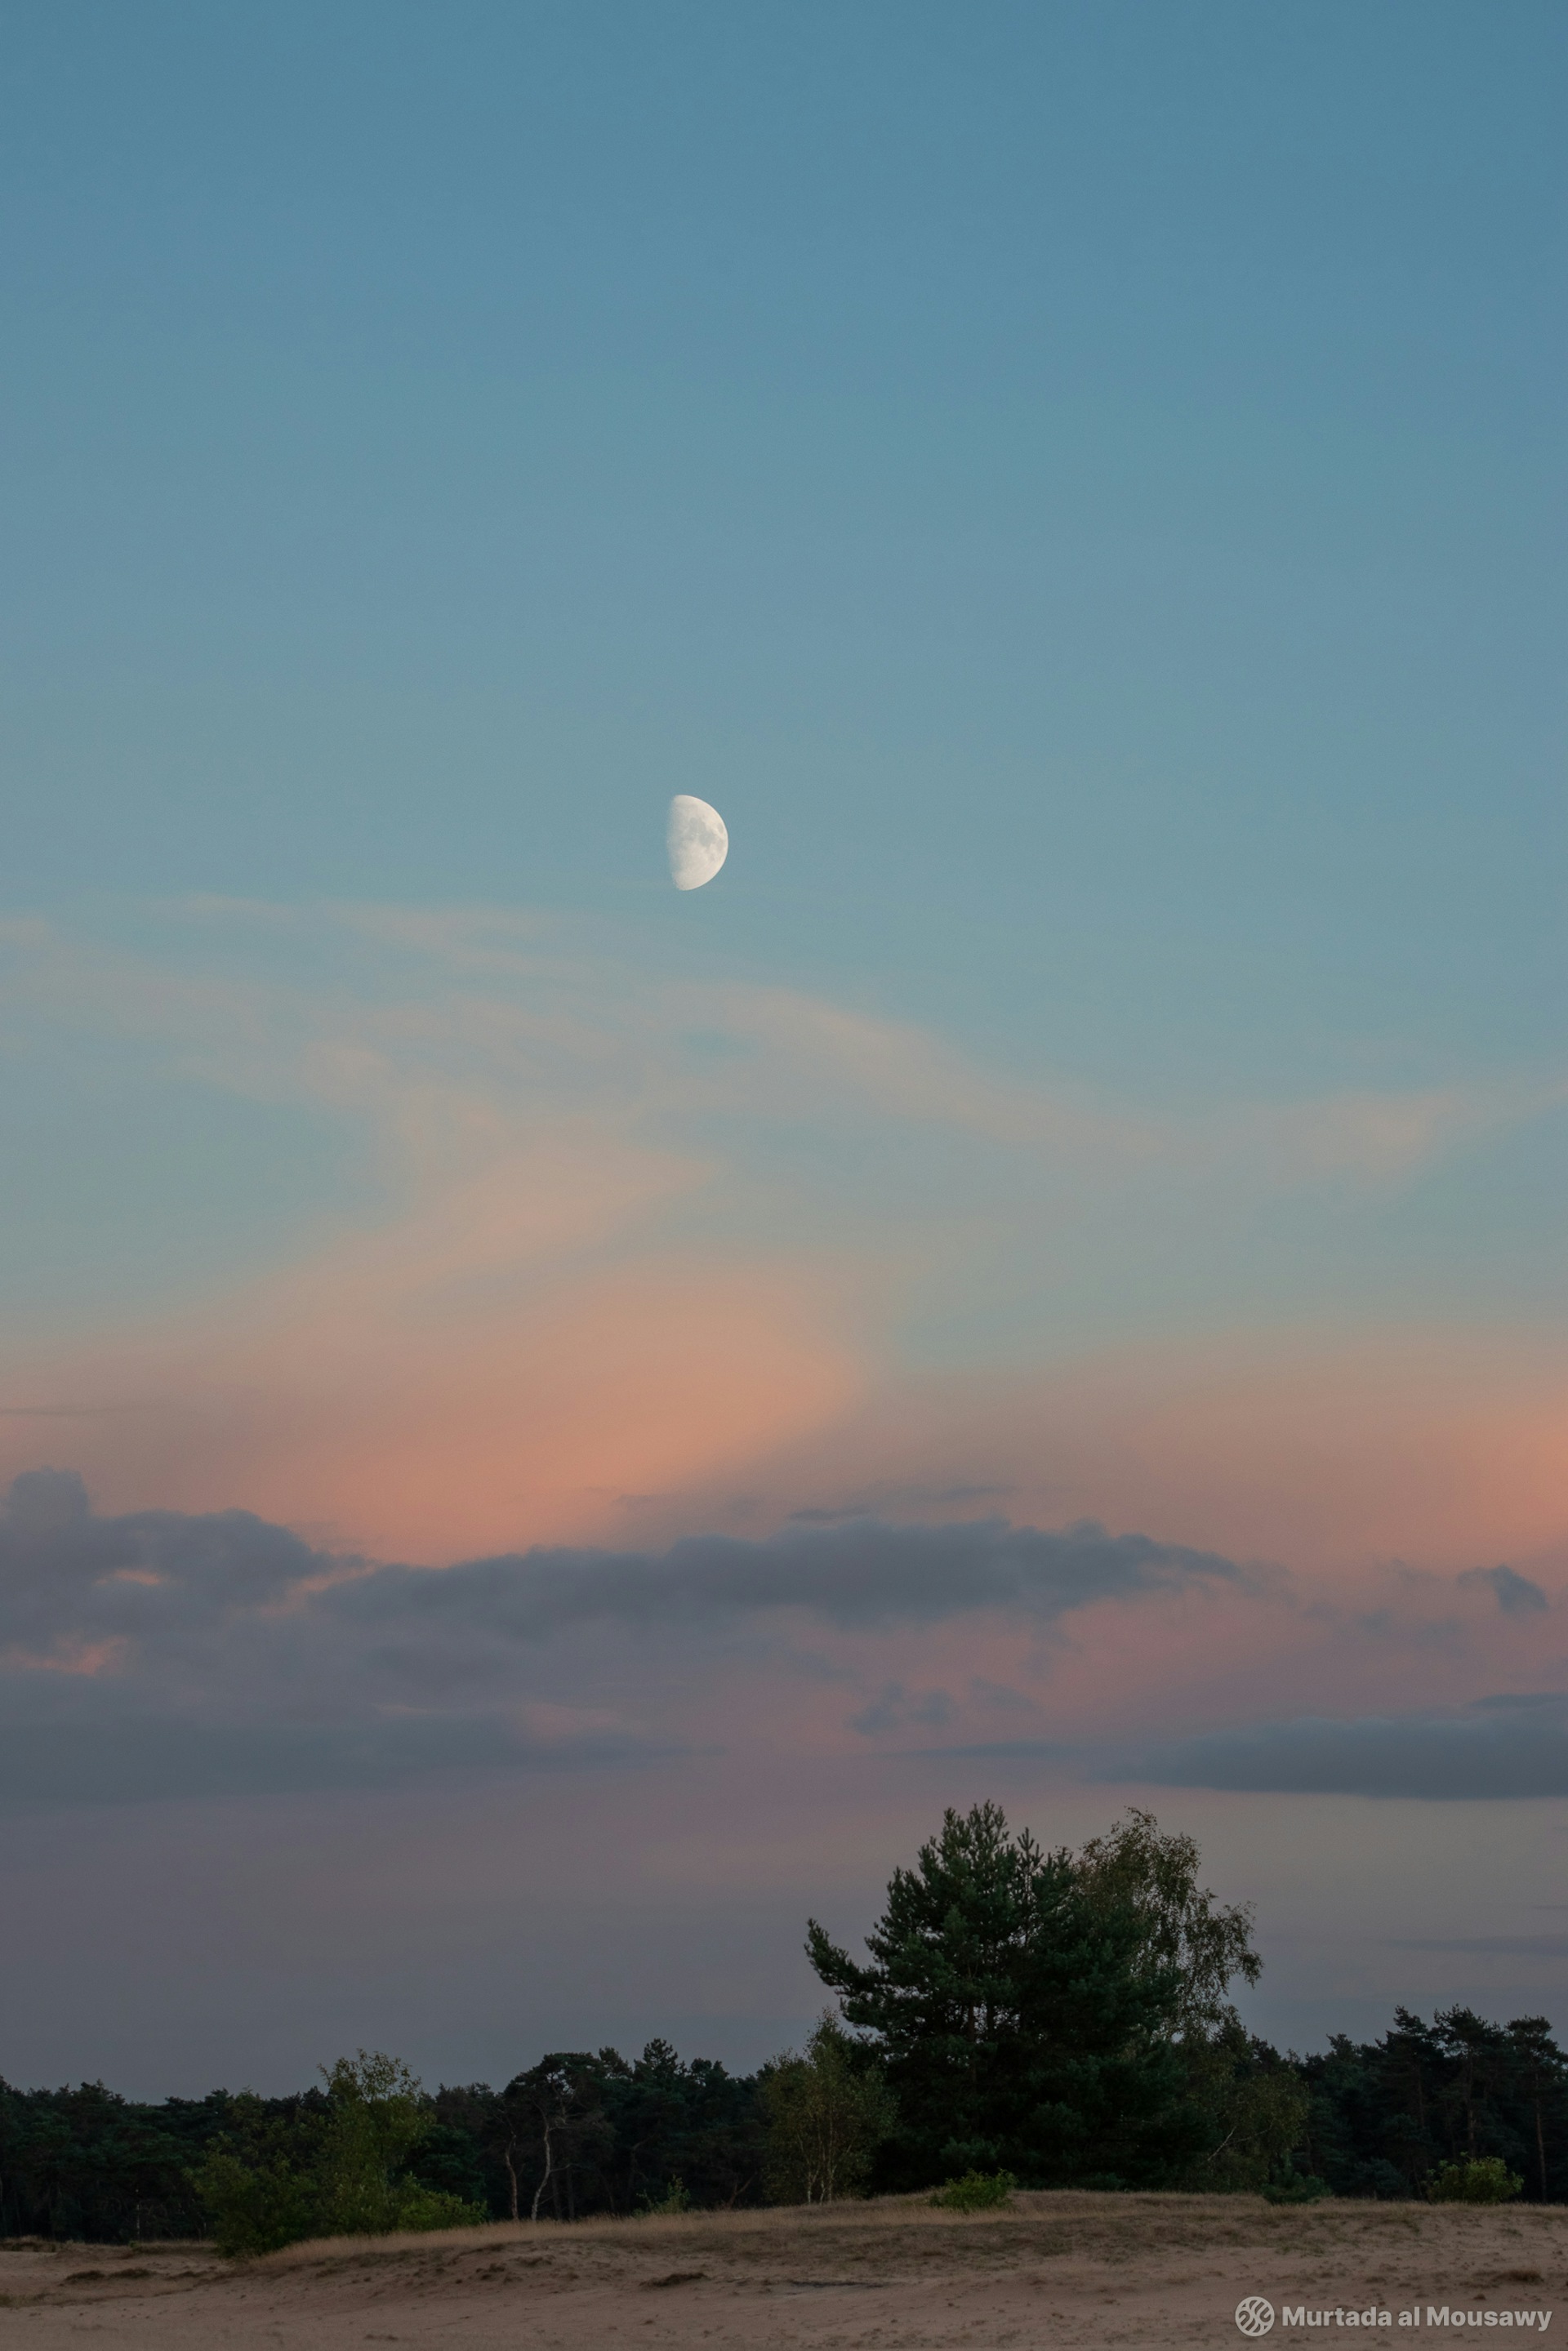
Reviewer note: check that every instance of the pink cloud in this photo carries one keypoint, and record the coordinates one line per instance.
(1327, 1451)
(427, 1406)
(580, 1316)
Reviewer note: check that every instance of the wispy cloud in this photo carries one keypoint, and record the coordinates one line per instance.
(367, 1006)
(626, 1232)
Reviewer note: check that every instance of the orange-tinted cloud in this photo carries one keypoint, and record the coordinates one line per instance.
(471, 1377)
(1326, 1451)
(604, 1294)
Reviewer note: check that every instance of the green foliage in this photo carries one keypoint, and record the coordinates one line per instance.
(554, 2131)
(977, 2191)
(450, 2161)
(340, 2173)
(257, 2183)
(1183, 1929)
(1020, 2018)
(1485, 2179)
(1251, 2101)
(254, 2207)
(675, 2199)
(580, 2132)
(827, 2111)
(87, 2164)
(1385, 2116)
(1254, 2106)
(1296, 2187)
(374, 2122)
(414, 2206)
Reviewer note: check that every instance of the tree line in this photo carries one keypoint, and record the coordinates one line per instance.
(1048, 2018)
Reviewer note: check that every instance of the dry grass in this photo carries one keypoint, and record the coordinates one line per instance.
(1054, 2225)
(896, 2274)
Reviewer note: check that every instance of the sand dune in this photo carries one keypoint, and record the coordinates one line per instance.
(893, 2275)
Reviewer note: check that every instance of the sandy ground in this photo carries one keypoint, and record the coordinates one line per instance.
(896, 2274)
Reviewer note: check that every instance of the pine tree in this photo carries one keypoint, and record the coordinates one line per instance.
(1018, 2019)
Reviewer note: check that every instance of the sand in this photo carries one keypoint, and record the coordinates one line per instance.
(894, 2276)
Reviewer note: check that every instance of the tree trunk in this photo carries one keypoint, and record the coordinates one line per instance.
(549, 2166)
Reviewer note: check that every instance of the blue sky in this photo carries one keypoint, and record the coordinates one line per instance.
(1080, 487)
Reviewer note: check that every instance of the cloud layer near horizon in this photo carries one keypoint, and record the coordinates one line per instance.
(1513, 1744)
(153, 1653)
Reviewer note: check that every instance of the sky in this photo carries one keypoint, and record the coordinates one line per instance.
(551, 1423)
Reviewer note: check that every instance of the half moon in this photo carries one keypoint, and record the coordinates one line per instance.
(696, 841)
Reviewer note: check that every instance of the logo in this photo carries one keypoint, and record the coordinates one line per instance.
(1254, 2316)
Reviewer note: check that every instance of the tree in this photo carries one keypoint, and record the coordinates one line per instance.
(672, 2122)
(1388, 2117)
(340, 2170)
(1183, 1927)
(450, 2162)
(552, 2129)
(1020, 2020)
(1540, 2076)
(827, 2111)
(84, 2163)
(373, 2124)
(1253, 2104)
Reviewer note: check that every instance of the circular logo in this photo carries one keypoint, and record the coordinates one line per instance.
(1254, 2316)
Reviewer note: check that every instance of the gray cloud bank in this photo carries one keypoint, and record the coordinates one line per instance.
(159, 1653)
(1505, 1947)
(1516, 1595)
(1513, 1745)
(87, 1756)
(862, 1574)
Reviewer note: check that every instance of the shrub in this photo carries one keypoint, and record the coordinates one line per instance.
(1484, 2179)
(977, 2191)
(254, 2209)
(1296, 2187)
(414, 2206)
(675, 2198)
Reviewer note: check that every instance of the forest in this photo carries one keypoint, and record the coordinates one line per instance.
(1024, 2016)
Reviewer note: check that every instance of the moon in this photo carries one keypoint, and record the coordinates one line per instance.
(696, 841)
